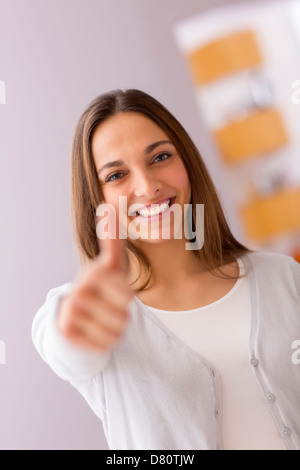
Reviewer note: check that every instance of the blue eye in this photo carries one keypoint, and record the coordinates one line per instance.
(114, 176)
(163, 154)
(110, 177)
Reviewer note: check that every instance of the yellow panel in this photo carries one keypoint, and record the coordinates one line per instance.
(230, 54)
(259, 133)
(274, 215)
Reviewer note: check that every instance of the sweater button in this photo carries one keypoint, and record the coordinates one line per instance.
(254, 361)
(286, 432)
(270, 398)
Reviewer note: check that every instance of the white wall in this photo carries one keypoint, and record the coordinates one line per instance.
(55, 57)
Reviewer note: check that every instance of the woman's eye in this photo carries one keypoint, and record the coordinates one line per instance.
(114, 176)
(110, 177)
(165, 154)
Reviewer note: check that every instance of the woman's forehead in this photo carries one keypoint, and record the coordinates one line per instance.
(126, 128)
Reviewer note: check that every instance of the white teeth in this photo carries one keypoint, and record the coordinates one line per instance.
(154, 210)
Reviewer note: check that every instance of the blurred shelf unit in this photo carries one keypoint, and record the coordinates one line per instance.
(257, 130)
(226, 55)
(273, 215)
(260, 132)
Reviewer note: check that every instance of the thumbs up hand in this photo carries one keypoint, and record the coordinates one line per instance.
(94, 314)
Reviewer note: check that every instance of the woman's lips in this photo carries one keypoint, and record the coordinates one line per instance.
(148, 206)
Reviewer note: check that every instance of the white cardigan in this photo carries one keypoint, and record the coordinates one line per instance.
(152, 391)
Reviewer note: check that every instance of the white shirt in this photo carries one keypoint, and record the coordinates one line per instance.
(153, 391)
(220, 332)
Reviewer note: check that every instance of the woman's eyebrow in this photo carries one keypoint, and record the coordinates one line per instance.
(148, 149)
(110, 165)
(156, 144)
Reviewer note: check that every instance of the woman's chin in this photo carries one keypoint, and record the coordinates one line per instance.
(156, 234)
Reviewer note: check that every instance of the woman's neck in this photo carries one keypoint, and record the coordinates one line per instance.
(171, 263)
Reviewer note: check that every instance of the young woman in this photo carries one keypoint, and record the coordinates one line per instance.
(173, 348)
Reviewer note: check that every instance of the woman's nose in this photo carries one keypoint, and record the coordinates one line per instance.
(146, 185)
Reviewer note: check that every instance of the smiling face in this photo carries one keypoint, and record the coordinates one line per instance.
(135, 158)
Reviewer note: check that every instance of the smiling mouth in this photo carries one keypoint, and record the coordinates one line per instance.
(156, 210)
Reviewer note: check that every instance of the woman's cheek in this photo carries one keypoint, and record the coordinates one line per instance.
(179, 177)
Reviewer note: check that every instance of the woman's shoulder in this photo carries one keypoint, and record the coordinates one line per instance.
(274, 266)
(269, 258)
(59, 290)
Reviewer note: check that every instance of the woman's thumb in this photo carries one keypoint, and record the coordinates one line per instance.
(111, 246)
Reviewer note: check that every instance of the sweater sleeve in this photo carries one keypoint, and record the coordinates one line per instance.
(68, 361)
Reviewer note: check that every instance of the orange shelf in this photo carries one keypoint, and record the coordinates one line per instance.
(277, 214)
(261, 132)
(230, 54)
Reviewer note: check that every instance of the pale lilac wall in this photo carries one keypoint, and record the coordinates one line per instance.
(55, 57)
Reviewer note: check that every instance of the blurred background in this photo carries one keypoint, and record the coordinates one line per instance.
(228, 70)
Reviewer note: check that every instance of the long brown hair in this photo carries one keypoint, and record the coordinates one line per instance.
(220, 247)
